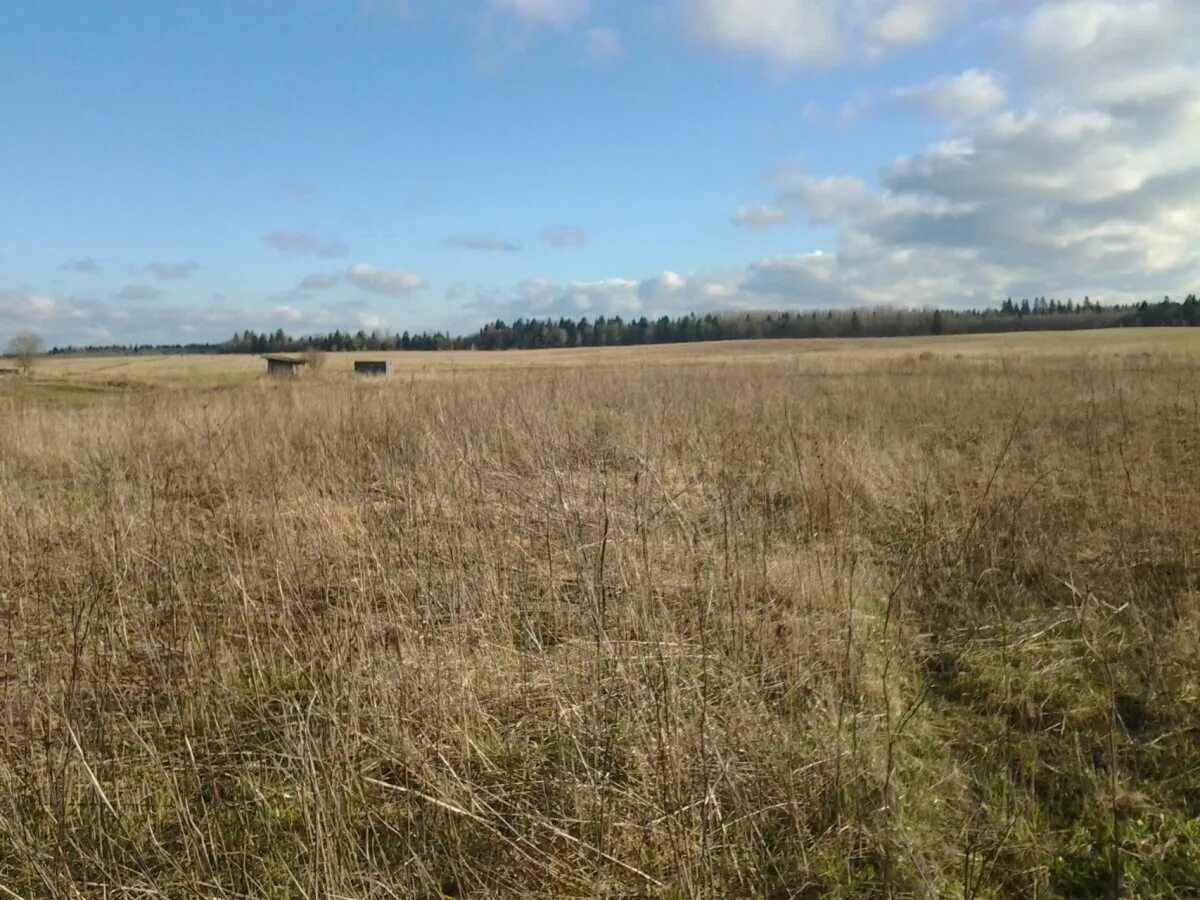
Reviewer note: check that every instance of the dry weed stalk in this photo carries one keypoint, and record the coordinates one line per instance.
(763, 628)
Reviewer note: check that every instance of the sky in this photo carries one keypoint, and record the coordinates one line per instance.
(178, 170)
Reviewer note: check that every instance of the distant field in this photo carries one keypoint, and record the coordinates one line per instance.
(887, 618)
(116, 373)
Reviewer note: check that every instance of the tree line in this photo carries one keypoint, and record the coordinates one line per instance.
(1038, 314)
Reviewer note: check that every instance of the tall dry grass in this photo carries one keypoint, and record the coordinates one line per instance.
(899, 627)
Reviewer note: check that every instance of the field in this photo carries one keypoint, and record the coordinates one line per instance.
(780, 619)
(121, 373)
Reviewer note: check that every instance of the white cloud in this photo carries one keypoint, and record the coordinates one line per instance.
(604, 45)
(484, 243)
(539, 297)
(1091, 185)
(85, 266)
(552, 13)
(371, 322)
(288, 314)
(759, 218)
(172, 271)
(563, 236)
(1103, 199)
(301, 242)
(668, 293)
(1068, 166)
(298, 321)
(796, 33)
(662, 289)
(318, 281)
(396, 283)
(1110, 51)
(972, 93)
(508, 29)
(911, 22)
(609, 295)
(1122, 33)
(20, 309)
(805, 280)
(850, 113)
(69, 320)
(825, 199)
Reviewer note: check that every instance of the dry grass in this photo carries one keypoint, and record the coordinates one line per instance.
(914, 622)
(117, 373)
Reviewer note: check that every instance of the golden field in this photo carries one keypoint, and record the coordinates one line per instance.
(895, 618)
(122, 372)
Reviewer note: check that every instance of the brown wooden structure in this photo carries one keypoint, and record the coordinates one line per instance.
(285, 366)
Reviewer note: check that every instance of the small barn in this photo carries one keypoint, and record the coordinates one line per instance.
(372, 367)
(285, 366)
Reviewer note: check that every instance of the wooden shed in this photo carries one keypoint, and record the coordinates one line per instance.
(285, 366)
(372, 367)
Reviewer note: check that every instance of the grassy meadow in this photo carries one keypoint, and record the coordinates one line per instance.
(879, 618)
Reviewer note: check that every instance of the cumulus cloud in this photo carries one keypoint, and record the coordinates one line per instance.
(67, 320)
(172, 271)
(1067, 166)
(814, 280)
(797, 33)
(301, 242)
(1119, 34)
(1091, 185)
(85, 266)
(395, 283)
(972, 93)
(62, 320)
(287, 314)
(563, 236)
(30, 309)
(662, 290)
(540, 297)
(908, 23)
(553, 13)
(371, 322)
(1085, 189)
(484, 243)
(668, 293)
(1110, 51)
(318, 281)
(759, 218)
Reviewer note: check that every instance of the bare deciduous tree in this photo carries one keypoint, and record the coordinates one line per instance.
(24, 348)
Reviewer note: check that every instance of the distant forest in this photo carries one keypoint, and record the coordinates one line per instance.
(1039, 314)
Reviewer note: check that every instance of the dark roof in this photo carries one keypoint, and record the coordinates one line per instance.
(293, 360)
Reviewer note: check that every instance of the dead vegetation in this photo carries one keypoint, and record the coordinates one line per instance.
(907, 627)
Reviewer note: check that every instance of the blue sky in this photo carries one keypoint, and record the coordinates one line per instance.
(178, 169)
